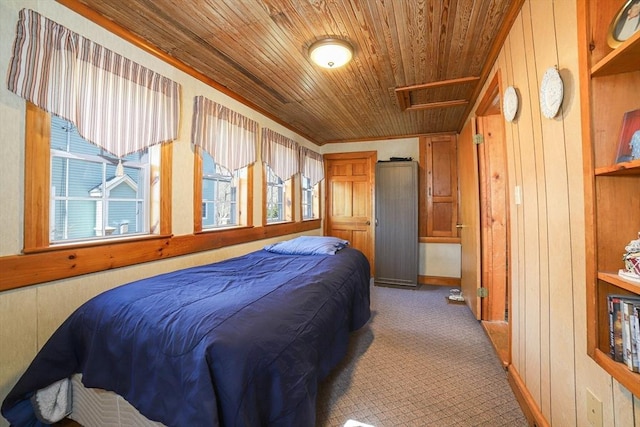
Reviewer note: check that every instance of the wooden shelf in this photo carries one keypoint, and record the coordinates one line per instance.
(616, 280)
(629, 379)
(624, 168)
(624, 59)
(607, 91)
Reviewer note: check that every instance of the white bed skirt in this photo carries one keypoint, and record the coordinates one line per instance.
(93, 407)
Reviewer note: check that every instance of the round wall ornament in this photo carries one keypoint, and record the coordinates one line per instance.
(551, 93)
(510, 103)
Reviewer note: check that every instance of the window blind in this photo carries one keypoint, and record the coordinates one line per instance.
(229, 137)
(114, 102)
(280, 153)
(312, 165)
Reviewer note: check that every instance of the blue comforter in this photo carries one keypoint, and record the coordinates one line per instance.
(242, 342)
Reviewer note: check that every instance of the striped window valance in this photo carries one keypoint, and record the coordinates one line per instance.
(229, 137)
(280, 153)
(311, 165)
(114, 102)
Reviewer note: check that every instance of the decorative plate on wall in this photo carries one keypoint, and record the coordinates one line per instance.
(551, 93)
(510, 104)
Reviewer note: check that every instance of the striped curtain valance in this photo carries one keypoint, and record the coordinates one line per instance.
(229, 137)
(280, 153)
(114, 102)
(311, 165)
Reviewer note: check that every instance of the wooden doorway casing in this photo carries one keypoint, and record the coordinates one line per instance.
(349, 202)
(494, 219)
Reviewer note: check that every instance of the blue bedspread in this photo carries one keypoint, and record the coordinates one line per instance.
(242, 342)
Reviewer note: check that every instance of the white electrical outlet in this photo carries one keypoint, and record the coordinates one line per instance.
(594, 410)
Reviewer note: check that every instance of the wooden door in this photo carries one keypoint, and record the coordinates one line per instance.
(349, 199)
(493, 215)
(469, 218)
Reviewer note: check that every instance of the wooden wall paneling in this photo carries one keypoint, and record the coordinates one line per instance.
(539, 36)
(515, 310)
(522, 61)
(623, 410)
(572, 385)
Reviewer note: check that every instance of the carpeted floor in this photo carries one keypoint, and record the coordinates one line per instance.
(419, 362)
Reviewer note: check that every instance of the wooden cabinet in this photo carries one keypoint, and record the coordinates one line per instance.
(609, 87)
(396, 223)
(438, 186)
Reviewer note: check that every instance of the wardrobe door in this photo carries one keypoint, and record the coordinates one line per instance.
(396, 223)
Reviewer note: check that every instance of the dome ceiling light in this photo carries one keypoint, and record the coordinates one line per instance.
(331, 53)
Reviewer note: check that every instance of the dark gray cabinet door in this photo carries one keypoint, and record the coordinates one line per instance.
(396, 223)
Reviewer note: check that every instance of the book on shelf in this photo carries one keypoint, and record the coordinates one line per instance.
(624, 330)
(630, 355)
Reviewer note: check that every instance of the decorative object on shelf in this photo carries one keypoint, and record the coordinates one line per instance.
(625, 23)
(631, 260)
(331, 52)
(510, 104)
(551, 93)
(635, 145)
(629, 144)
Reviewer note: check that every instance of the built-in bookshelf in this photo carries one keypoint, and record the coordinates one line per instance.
(609, 88)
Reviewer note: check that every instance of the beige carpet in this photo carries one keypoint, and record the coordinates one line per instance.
(419, 362)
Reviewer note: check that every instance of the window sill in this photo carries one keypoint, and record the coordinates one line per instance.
(223, 229)
(57, 263)
(90, 244)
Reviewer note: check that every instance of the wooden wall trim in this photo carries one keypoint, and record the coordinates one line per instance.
(61, 263)
(439, 280)
(440, 240)
(531, 411)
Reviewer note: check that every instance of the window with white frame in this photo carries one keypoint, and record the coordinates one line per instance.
(93, 194)
(278, 200)
(223, 203)
(310, 199)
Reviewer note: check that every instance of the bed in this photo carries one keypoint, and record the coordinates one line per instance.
(241, 342)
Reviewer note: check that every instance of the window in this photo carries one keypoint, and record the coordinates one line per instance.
(278, 199)
(223, 203)
(86, 193)
(310, 199)
(93, 194)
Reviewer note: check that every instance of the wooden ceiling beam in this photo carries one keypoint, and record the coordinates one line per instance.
(440, 104)
(441, 83)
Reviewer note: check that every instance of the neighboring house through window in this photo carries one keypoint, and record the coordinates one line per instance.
(310, 199)
(278, 202)
(223, 204)
(94, 194)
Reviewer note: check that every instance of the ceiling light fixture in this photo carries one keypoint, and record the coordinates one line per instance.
(331, 53)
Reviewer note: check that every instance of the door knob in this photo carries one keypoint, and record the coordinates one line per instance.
(460, 226)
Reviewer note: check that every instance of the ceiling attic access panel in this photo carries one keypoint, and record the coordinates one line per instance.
(440, 94)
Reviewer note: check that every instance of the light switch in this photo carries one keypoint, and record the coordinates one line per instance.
(518, 195)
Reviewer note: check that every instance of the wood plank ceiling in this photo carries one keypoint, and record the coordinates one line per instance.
(418, 64)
